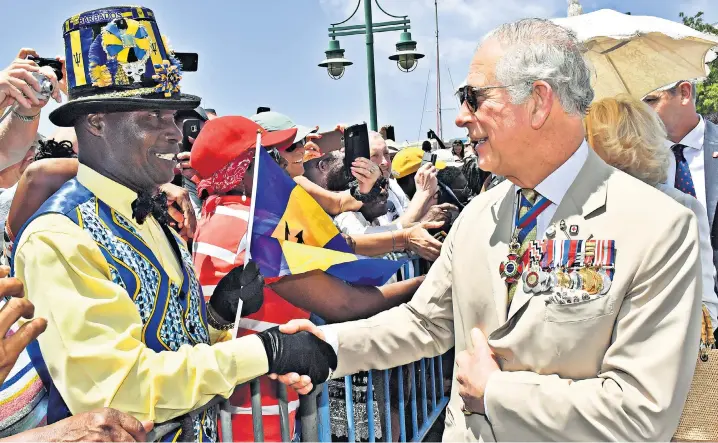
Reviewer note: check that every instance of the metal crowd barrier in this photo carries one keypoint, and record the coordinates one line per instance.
(427, 401)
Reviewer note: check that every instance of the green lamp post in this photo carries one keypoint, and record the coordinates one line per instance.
(405, 56)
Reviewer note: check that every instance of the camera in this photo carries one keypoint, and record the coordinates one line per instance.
(46, 87)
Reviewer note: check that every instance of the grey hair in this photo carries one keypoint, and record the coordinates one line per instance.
(375, 137)
(537, 49)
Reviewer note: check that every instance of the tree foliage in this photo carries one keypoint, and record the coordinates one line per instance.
(707, 100)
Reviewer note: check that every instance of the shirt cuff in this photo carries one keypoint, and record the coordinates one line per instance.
(331, 337)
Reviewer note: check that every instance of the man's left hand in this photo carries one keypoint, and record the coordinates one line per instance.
(473, 370)
(177, 197)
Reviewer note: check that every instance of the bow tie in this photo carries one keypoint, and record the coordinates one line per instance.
(147, 204)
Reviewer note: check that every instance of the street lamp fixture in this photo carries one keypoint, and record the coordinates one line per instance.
(406, 56)
(335, 61)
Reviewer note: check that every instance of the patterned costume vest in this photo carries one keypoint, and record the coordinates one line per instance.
(172, 315)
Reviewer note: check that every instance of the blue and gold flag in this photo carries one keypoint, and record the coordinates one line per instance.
(291, 233)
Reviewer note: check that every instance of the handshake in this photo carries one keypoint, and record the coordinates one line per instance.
(292, 349)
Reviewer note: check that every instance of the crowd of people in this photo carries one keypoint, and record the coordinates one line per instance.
(562, 257)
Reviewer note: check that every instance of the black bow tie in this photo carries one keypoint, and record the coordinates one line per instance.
(147, 204)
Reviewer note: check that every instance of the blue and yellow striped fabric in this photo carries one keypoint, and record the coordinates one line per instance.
(292, 234)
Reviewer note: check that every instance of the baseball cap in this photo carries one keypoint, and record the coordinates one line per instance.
(223, 139)
(408, 161)
(274, 121)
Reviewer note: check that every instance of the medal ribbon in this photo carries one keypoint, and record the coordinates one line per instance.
(532, 213)
(547, 254)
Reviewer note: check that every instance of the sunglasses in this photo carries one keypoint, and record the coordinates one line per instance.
(471, 94)
(299, 144)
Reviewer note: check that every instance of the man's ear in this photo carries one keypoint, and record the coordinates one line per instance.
(95, 124)
(540, 103)
(686, 90)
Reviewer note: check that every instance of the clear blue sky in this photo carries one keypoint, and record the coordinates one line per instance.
(265, 52)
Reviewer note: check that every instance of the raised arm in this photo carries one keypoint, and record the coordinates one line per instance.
(336, 301)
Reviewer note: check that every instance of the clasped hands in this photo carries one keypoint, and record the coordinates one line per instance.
(473, 367)
(304, 384)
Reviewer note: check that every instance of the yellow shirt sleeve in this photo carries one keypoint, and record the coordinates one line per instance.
(92, 345)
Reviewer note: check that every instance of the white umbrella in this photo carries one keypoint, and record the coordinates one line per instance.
(639, 54)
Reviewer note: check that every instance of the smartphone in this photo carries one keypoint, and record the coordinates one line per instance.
(330, 141)
(356, 144)
(189, 60)
(190, 128)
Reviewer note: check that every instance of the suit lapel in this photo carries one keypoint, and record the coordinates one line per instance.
(502, 212)
(586, 195)
(710, 145)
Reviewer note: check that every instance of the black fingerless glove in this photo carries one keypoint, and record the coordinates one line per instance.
(241, 283)
(303, 353)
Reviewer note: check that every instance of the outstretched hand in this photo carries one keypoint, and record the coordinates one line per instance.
(298, 352)
(17, 307)
(300, 383)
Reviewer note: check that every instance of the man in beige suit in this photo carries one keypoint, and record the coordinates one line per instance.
(601, 343)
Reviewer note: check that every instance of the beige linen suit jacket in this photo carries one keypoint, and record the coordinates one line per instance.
(614, 368)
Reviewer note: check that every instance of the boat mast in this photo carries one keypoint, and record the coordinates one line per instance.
(439, 125)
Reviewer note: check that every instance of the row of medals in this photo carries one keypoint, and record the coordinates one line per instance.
(586, 281)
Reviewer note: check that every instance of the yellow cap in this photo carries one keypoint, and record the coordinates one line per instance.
(408, 161)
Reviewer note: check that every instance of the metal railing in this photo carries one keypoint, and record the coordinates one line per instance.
(314, 415)
(427, 401)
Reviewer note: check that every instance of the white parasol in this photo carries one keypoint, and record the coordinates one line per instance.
(639, 54)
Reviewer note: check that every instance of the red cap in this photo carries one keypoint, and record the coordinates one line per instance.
(225, 138)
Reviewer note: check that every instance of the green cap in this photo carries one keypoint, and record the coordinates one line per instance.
(274, 121)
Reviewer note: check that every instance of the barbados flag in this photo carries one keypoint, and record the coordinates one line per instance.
(291, 233)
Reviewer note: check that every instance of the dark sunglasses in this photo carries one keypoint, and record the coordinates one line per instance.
(470, 94)
(299, 144)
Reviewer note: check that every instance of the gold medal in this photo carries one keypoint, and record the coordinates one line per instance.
(563, 279)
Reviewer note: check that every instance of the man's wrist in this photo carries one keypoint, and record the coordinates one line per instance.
(28, 112)
(27, 118)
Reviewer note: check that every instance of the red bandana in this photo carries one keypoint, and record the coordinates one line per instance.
(228, 176)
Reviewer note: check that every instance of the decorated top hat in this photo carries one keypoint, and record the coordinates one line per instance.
(117, 61)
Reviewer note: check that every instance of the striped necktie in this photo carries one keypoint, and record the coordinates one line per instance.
(684, 181)
(531, 205)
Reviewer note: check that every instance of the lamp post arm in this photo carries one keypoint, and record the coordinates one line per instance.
(390, 15)
(350, 17)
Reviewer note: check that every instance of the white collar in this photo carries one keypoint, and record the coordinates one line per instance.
(556, 185)
(694, 139)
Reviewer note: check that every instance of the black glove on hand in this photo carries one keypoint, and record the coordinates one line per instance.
(241, 283)
(303, 353)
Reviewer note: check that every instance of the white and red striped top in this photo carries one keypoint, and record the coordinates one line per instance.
(219, 247)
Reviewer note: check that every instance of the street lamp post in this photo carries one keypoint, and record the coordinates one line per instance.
(405, 56)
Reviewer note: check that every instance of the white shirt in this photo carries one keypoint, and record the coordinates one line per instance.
(695, 158)
(397, 204)
(555, 186)
(354, 223)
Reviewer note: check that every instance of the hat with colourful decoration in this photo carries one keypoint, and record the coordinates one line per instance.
(117, 61)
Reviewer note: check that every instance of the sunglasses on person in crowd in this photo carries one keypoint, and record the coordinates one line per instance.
(299, 144)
